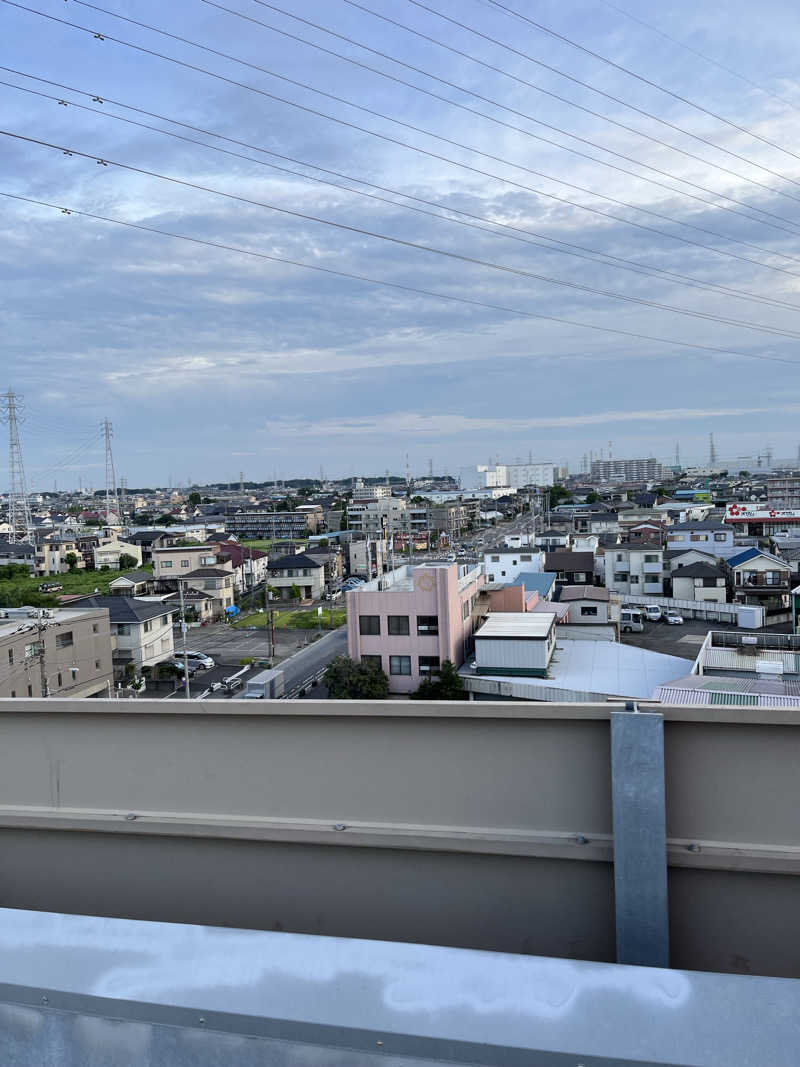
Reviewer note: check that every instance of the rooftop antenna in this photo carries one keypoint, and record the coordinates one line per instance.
(19, 512)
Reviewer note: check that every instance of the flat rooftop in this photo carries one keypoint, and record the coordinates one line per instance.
(594, 670)
(517, 624)
(25, 619)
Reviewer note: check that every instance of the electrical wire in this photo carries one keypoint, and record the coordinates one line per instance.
(419, 129)
(513, 234)
(569, 77)
(417, 290)
(423, 151)
(631, 73)
(401, 242)
(513, 111)
(701, 55)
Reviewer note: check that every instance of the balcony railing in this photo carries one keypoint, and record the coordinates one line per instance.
(763, 581)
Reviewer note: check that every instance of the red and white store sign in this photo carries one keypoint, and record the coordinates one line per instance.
(759, 513)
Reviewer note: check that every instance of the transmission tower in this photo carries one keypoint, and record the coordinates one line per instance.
(712, 452)
(111, 476)
(19, 512)
(677, 453)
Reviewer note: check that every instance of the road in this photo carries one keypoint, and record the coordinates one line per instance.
(313, 658)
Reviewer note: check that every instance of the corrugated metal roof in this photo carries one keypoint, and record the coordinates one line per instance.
(731, 659)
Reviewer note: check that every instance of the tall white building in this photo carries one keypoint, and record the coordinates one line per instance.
(514, 475)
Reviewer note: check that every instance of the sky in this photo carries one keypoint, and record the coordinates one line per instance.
(497, 197)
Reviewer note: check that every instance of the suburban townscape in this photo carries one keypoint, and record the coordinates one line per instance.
(399, 533)
(520, 580)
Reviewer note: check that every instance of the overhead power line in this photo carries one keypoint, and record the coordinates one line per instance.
(569, 77)
(416, 290)
(403, 243)
(499, 229)
(701, 55)
(513, 111)
(415, 148)
(639, 77)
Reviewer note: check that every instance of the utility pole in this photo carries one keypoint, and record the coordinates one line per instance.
(111, 476)
(19, 511)
(40, 629)
(185, 653)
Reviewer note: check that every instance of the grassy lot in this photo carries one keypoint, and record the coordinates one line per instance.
(263, 545)
(21, 590)
(294, 620)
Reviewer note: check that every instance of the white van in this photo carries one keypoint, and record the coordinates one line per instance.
(630, 621)
(653, 612)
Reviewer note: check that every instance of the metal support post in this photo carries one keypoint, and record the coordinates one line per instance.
(640, 838)
(186, 692)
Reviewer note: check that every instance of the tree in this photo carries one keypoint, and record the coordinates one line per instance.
(194, 499)
(347, 680)
(294, 592)
(324, 543)
(126, 562)
(447, 685)
(71, 561)
(592, 498)
(558, 494)
(165, 520)
(744, 474)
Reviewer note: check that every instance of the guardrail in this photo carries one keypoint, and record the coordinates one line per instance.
(300, 687)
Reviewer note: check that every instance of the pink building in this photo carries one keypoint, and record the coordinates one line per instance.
(413, 619)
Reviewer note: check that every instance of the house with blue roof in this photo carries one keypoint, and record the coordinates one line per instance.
(759, 577)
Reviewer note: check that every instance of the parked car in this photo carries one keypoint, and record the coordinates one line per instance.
(200, 661)
(179, 664)
(672, 617)
(652, 612)
(50, 587)
(631, 621)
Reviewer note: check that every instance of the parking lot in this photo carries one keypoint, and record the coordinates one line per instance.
(684, 640)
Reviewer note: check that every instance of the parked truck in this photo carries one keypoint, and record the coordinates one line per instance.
(267, 685)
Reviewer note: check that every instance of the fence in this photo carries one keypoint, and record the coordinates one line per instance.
(701, 609)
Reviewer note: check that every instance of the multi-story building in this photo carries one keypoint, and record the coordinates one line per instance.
(758, 577)
(300, 571)
(55, 652)
(366, 556)
(706, 536)
(259, 524)
(783, 491)
(371, 492)
(109, 552)
(635, 569)
(700, 581)
(483, 476)
(413, 619)
(19, 553)
(454, 518)
(378, 517)
(626, 470)
(504, 565)
(521, 474)
(141, 629)
(177, 561)
(216, 582)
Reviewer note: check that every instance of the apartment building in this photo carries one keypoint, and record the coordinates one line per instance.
(216, 582)
(626, 470)
(371, 492)
(63, 652)
(454, 518)
(635, 569)
(284, 525)
(378, 517)
(141, 629)
(51, 554)
(522, 474)
(783, 491)
(413, 619)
